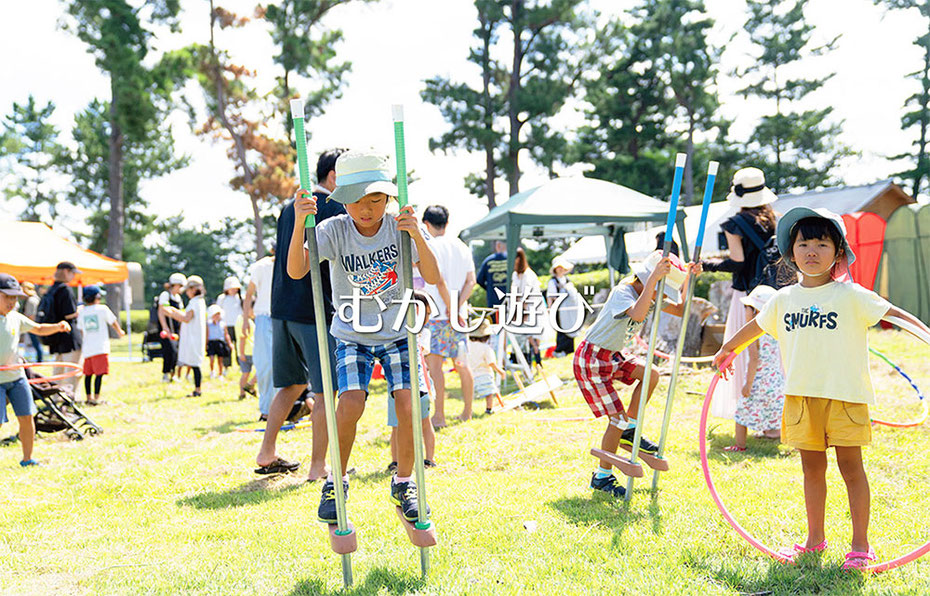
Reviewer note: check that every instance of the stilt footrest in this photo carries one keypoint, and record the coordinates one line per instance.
(624, 465)
(345, 543)
(656, 463)
(420, 538)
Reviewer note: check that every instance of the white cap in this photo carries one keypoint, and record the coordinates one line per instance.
(177, 279)
(680, 160)
(397, 111)
(297, 108)
(712, 168)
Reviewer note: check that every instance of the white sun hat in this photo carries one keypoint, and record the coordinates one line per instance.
(748, 189)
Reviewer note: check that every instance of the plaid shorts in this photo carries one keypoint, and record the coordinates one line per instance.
(355, 363)
(595, 370)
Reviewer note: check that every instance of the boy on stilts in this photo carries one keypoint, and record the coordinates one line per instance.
(363, 250)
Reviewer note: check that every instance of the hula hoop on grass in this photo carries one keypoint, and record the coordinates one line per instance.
(686, 359)
(702, 441)
(75, 370)
(920, 396)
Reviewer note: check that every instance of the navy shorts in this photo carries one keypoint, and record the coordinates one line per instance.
(17, 393)
(355, 363)
(296, 355)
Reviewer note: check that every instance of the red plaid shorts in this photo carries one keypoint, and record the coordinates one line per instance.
(595, 370)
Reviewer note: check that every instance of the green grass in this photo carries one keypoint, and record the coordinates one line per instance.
(165, 502)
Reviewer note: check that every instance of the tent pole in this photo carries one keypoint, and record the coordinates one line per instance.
(127, 302)
(610, 269)
(684, 240)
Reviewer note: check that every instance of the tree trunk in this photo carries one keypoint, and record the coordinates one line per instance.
(490, 169)
(117, 207)
(259, 228)
(513, 95)
(689, 165)
(925, 113)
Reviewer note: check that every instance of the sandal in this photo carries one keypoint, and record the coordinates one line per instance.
(858, 560)
(734, 449)
(278, 466)
(793, 552)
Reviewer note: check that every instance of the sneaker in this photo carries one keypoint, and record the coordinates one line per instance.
(263, 418)
(608, 484)
(166, 378)
(28, 462)
(392, 467)
(645, 445)
(327, 511)
(488, 412)
(404, 495)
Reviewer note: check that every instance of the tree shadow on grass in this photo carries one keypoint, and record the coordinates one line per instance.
(772, 577)
(612, 514)
(254, 492)
(378, 581)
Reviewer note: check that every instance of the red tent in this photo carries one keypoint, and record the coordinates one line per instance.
(865, 233)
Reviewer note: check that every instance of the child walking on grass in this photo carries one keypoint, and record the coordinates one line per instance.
(95, 320)
(821, 326)
(483, 363)
(192, 345)
(219, 345)
(244, 350)
(601, 359)
(763, 396)
(13, 386)
(363, 250)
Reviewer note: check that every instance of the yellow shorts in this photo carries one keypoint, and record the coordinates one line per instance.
(815, 423)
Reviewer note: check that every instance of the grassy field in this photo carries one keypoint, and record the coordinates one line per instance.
(165, 502)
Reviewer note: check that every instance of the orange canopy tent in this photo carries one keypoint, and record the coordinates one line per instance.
(30, 251)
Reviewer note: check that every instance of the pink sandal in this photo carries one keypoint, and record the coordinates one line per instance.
(793, 552)
(734, 449)
(858, 560)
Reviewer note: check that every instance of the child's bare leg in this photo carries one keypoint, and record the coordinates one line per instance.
(320, 440)
(348, 411)
(610, 442)
(489, 401)
(740, 436)
(638, 372)
(849, 460)
(814, 464)
(394, 444)
(404, 432)
(27, 435)
(429, 439)
(434, 365)
(468, 387)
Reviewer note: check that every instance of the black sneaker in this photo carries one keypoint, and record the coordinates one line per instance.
(428, 463)
(404, 495)
(608, 484)
(327, 511)
(392, 466)
(488, 411)
(645, 445)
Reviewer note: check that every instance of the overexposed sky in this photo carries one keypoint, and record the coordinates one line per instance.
(395, 44)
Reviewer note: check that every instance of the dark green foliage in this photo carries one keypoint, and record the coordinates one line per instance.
(30, 144)
(796, 150)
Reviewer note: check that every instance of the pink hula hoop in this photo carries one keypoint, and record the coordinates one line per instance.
(702, 440)
(75, 370)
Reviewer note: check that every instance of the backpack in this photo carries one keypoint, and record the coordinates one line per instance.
(770, 269)
(45, 313)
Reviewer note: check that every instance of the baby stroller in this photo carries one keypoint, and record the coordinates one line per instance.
(57, 410)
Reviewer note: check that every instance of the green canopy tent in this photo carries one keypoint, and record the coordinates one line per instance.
(577, 206)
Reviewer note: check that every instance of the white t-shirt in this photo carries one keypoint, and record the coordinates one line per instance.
(11, 326)
(455, 263)
(232, 307)
(822, 333)
(480, 357)
(94, 321)
(260, 274)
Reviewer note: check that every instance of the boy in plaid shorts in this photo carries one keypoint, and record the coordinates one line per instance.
(363, 250)
(601, 358)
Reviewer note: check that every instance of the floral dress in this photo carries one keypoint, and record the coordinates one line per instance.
(762, 409)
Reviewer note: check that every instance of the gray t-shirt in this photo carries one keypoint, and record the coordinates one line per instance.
(371, 266)
(610, 329)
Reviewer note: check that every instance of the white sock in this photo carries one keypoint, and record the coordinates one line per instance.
(399, 479)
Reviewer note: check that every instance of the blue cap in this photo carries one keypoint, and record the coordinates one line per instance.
(796, 214)
(92, 292)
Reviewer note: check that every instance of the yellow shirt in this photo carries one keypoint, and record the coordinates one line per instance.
(823, 336)
(249, 339)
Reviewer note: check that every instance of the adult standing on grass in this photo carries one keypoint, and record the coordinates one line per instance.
(65, 345)
(193, 344)
(169, 328)
(31, 310)
(458, 271)
(755, 219)
(231, 303)
(257, 307)
(13, 386)
(569, 309)
(492, 275)
(296, 354)
(527, 296)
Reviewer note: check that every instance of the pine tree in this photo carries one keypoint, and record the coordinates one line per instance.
(918, 104)
(510, 113)
(30, 143)
(795, 149)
